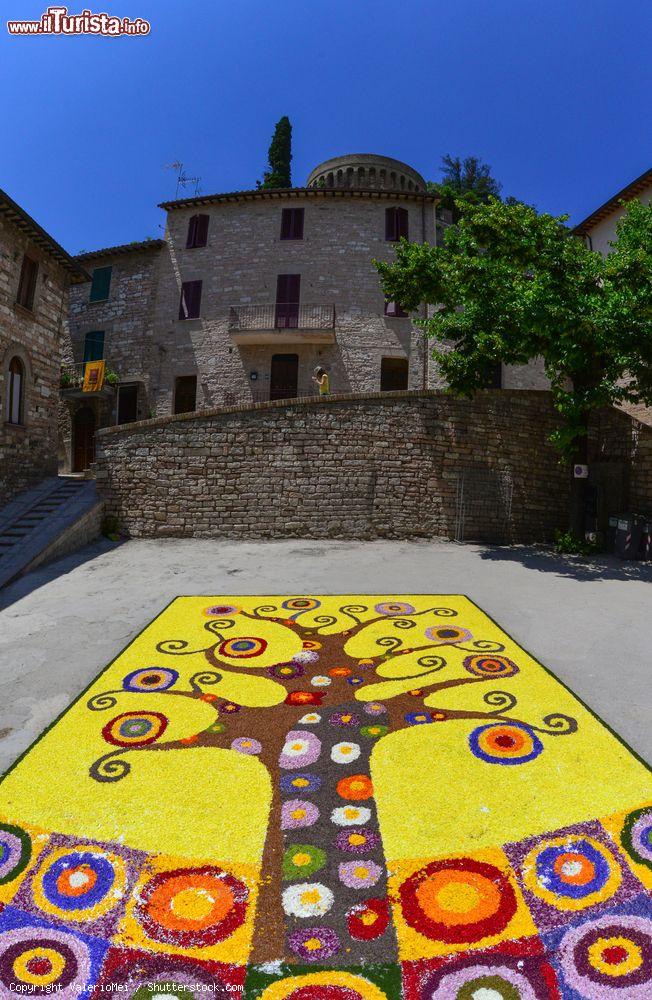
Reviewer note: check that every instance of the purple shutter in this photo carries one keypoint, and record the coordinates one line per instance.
(202, 231)
(390, 224)
(192, 231)
(190, 302)
(288, 291)
(402, 226)
(297, 232)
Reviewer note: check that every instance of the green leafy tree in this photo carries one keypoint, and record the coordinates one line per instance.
(468, 179)
(279, 157)
(510, 285)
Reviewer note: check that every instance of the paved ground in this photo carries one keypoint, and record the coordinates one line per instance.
(590, 623)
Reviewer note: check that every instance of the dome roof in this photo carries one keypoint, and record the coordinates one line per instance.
(366, 170)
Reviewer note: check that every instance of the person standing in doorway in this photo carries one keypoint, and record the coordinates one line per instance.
(321, 379)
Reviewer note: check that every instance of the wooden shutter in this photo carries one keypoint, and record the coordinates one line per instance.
(185, 394)
(190, 301)
(100, 284)
(197, 231)
(402, 223)
(390, 224)
(94, 345)
(27, 283)
(288, 291)
(292, 224)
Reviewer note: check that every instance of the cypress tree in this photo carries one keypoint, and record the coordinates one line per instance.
(279, 156)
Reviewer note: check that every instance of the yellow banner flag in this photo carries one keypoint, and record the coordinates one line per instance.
(93, 376)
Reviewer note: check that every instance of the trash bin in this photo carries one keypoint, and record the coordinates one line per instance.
(631, 536)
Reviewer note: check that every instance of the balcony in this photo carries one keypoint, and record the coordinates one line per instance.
(282, 323)
(71, 382)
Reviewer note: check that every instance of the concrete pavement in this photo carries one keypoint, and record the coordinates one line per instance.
(589, 622)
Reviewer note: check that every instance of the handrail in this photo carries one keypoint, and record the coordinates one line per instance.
(282, 316)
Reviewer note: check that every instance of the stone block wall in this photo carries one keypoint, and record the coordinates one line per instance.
(28, 451)
(356, 466)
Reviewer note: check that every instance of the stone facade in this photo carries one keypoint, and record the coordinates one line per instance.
(377, 465)
(31, 339)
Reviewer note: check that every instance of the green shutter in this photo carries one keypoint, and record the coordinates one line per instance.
(94, 346)
(100, 284)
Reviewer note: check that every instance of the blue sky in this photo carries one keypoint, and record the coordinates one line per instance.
(554, 94)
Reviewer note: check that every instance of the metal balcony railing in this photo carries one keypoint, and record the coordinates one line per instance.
(72, 376)
(282, 316)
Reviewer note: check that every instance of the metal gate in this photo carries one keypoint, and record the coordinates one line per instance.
(483, 510)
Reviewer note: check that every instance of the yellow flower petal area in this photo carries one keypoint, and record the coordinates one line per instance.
(52, 960)
(598, 956)
(285, 988)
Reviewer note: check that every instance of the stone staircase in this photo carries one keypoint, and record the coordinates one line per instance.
(49, 520)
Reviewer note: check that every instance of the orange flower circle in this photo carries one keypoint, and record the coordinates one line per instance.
(339, 672)
(355, 787)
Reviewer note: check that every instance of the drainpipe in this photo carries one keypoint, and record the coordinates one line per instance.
(425, 307)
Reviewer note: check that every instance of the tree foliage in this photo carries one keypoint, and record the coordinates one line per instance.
(468, 179)
(510, 285)
(279, 157)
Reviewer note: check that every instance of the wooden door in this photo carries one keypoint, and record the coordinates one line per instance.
(288, 290)
(83, 438)
(284, 377)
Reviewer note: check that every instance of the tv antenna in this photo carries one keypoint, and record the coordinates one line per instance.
(183, 181)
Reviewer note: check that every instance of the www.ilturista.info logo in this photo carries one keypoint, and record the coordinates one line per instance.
(57, 21)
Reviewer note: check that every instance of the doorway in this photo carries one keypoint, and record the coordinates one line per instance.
(84, 439)
(288, 293)
(284, 376)
(127, 404)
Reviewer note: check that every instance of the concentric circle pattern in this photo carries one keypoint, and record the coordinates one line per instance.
(150, 679)
(135, 729)
(38, 961)
(78, 884)
(15, 851)
(393, 608)
(192, 907)
(490, 666)
(447, 635)
(505, 743)
(571, 873)
(458, 900)
(242, 648)
(608, 958)
(332, 985)
(637, 836)
(483, 982)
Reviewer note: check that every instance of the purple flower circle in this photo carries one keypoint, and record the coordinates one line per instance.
(344, 719)
(314, 944)
(375, 708)
(247, 744)
(303, 783)
(357, 840)
(298, 813)
(286, 671)
(359, 874)
(301, 748)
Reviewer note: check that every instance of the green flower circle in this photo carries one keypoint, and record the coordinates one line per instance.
(374, 732)
(301, 860)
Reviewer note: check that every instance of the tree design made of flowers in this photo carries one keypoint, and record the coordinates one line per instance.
(331, 703)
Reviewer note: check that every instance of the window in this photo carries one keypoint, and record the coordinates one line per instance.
(396, 224)
(190, 303)
(197, 231)
(94, 346)
(127, 404)
(288, 291)
(100, 284)
(292, 224)
(27, 283)
(185, 394)
(493, 376)
(15, 391)
(393, 374)
(394, 309)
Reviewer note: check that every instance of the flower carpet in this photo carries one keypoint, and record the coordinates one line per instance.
(327, 798)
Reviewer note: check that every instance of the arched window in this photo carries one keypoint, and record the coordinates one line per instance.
(15, 391)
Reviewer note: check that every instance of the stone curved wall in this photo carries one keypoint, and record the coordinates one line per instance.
(355, 466)
(368, 171)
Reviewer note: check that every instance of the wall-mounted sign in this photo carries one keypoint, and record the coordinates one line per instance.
(253, 376)
(580, 472)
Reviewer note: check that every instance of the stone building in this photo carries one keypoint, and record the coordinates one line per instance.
(35, 275)
(247, 294)
(599, 228)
